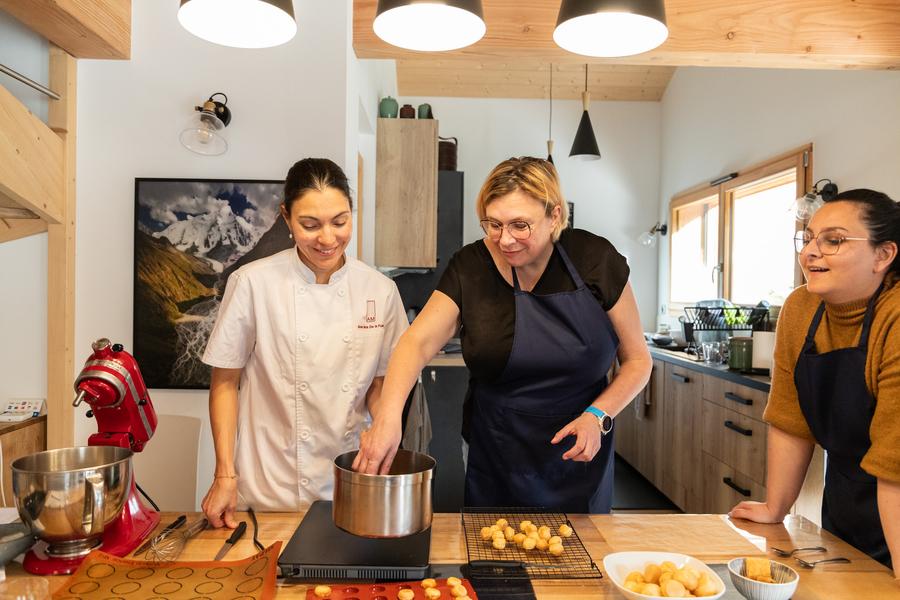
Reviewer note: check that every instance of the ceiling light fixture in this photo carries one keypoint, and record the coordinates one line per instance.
(607, 28)
(205, 133)
(240, 23)
(585, 144)
(550, 129)
(429, 25)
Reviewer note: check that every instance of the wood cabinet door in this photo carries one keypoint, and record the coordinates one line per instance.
(682, 424)
(736, 440)
(724, 486)
(406, 180)
(16, 442)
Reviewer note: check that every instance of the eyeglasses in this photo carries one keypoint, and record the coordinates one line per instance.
(828, 242)
(520, 230)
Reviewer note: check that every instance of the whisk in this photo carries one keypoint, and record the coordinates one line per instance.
(168, 545)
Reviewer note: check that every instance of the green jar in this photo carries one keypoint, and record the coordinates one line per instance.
(740, 353)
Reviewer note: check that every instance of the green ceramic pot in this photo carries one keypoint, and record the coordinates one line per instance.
(388, 108)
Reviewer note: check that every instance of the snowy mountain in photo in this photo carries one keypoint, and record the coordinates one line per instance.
(219, 237)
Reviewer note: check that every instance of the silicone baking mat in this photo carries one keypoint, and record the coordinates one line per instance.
(385, 591)
(103, 575)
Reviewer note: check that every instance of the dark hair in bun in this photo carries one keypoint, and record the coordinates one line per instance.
(880, 214)
(314, 174)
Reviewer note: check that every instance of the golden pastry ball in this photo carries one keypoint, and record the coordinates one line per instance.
(529, 543)
(555, 540)
(565, 530)
(499, 543)
(459, 591)
(486, 533)
(542, 545)
(406, 595)
(429, 583)
(502, 523)
(519, 538)
(322, 591)
(524, 525)
(544, 532)
(652, 573)
(432, 593)
(509, 533)
(555, 549)
(453, 581)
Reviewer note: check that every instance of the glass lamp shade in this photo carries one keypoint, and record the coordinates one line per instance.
(647, 239)
(204, 135)
(609, 28)
(429, 25)
(240, 23)
(805, 206)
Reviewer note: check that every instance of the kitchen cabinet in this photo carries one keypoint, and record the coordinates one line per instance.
(681, 414)
(18, 440)
(445, 391)
(406, 183)
(697, 435)
(639, 427)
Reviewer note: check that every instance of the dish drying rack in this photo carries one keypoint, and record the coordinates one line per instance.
(574, 563)
(727, 318)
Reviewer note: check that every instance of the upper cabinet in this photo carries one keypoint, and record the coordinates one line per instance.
(406, 179)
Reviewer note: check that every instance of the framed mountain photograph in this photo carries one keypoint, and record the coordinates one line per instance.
(189, 236)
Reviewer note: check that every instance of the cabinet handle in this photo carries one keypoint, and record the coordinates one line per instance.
(738, 399)
(680, 377)
(730, 425)
(743, 492)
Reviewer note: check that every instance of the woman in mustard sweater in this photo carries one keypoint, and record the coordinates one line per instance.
(836, 380)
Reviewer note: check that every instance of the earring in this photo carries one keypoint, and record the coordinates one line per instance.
(290, 236)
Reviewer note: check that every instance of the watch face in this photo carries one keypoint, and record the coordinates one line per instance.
(606, 423)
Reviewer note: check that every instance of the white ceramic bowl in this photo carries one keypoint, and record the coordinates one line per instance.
(786, 578)
(619, 564)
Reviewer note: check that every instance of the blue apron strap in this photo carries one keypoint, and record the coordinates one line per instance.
(813, 326)
(573, 272)
(515, 279)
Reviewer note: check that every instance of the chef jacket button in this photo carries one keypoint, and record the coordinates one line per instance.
(341, 293)
(304, 435)
(304, 386)
(304, 482)
(346, 339)
(345, 387)
(301, 291)
(303, 337)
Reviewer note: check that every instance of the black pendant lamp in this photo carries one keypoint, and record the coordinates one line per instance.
(240, 23)
(429, 25)
(607, 28)
(585, 144)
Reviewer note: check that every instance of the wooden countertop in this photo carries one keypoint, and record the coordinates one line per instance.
(453, 359)
(711, 538)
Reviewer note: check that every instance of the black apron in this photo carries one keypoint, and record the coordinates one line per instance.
(838, 407)
(563, 347)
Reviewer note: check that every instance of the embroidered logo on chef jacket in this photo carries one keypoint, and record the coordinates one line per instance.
(369, 321)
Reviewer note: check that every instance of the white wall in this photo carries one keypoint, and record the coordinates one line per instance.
(716, 121)
(616, 197)
(287, 102)
(23, 263)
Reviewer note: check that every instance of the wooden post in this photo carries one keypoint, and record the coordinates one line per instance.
(61, 262)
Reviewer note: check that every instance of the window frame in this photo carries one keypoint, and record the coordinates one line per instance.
(800, 159)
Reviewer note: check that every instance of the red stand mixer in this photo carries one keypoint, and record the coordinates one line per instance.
(111, 384)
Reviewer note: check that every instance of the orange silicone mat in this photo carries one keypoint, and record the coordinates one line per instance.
(103, 575)
(385, 591)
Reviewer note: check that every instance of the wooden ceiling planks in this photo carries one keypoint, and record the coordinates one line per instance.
(512, 59)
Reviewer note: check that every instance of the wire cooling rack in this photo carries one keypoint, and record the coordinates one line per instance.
(574, 562)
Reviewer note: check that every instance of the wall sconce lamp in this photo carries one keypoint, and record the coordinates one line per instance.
(429, 25)
(608, 28)
(240, 23)
(648, 238)
(204, 135)
(807, 204)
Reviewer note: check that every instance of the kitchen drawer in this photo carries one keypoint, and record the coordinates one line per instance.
(736, 440)
(724, 486)
(740, 398)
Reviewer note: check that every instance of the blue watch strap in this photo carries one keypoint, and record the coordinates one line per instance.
(599, 413)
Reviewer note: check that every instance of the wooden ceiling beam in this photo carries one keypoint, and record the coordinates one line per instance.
(83, 28)
(811, 34)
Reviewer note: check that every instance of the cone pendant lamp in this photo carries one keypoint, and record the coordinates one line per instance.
(585, 144)
(550, 128)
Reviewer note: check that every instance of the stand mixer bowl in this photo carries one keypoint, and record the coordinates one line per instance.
(68, 496)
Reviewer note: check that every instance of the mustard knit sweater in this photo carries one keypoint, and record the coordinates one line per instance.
(841, 327)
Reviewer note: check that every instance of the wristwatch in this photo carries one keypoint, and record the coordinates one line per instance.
(603, 419)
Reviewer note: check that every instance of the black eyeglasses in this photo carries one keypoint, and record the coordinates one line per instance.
(520, 230)
(828, 242)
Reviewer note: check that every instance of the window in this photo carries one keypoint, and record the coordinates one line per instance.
(734, 240)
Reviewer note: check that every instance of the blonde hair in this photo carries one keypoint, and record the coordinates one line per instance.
(533, 176)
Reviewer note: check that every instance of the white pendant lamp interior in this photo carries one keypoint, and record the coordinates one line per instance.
(608, 28)
(240, 23)
(429, 25)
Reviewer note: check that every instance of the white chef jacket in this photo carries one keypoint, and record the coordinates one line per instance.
(309, 353)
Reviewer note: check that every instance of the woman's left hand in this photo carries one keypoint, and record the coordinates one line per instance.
(587, 438)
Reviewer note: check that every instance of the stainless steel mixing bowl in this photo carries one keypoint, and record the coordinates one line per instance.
(69, 495)
(384, 506)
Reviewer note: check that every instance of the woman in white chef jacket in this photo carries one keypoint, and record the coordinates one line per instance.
(299, 352)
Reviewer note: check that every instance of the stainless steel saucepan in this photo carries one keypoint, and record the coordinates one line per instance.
(384, 506)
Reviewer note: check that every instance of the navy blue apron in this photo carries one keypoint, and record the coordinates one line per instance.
(838, 407)
(563, 347)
